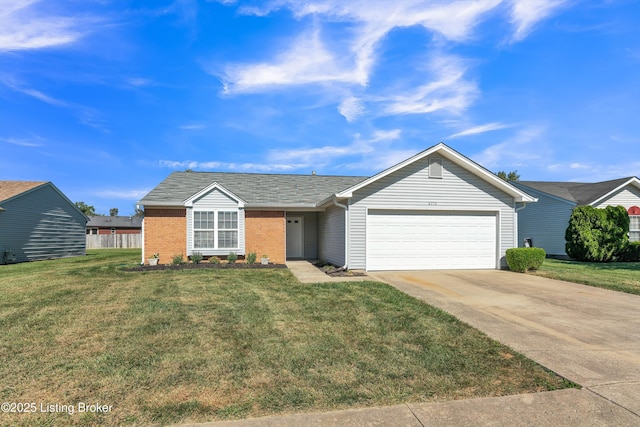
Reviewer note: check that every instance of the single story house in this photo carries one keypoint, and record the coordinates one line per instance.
(102, 224)
(37, 221)
(435, 210)
(545, 222)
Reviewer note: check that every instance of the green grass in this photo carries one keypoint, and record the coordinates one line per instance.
(617, 276)
(200, 345)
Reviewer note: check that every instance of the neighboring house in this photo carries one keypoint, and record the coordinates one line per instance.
(101, 224)
(435, 210)
(545, 222)
(38, 222)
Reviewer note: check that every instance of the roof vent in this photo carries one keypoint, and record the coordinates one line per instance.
(313, 172)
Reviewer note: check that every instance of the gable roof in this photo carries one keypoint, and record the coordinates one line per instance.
(115, 221)
(253, 188)
(11, 189)
(581, 193)
(288, 190)
(452, 155)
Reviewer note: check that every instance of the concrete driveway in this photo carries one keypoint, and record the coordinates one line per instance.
(588, 335)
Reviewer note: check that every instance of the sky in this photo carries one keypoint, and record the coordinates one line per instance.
(105, 98)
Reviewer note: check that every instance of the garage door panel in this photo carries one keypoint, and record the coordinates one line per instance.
(429, 240)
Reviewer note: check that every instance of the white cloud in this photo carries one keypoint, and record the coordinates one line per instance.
(525, 147)
(193, 126)
(448, 90)
(351, 108)
(23, 142)
(526, 13)
(330, 152)
(307, 61)
(123, 194)
(22, 27)
(239, 167)
(479, 129)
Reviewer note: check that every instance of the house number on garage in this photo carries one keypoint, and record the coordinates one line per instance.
(432, 203)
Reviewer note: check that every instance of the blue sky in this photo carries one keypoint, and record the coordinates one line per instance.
(106, 98)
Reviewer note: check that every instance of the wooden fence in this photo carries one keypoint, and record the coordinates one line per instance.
(110, 241)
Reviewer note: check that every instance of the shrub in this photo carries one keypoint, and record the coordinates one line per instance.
(597, 235)
(196, 257)
(631, 252)
(177, 259)
(524, 259)
(232, 258)
(214, 260)
(251, 258)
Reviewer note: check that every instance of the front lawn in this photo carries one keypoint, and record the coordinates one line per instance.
(199, 345)
(618, 276)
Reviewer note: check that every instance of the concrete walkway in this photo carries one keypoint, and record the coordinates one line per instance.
(306, 272)
(588, 335)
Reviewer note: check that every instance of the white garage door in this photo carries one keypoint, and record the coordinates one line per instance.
(418, 240)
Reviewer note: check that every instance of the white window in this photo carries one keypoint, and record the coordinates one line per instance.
(634, 228)
(215, 229)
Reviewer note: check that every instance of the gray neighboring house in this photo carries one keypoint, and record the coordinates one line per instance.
(37, 221)
(435, 210)
(545, 222)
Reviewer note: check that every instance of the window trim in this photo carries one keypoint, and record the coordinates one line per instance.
(634, 230)
(215, 230)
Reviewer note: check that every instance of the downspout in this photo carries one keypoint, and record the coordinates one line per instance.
(142, 238)
(517, 209)
(346, 232)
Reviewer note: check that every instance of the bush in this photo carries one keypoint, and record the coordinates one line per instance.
(214, 260)
(196, 257)
(597, 235)
(524, 259)
(232, 258)
(251, 258)
(177, 259)
(631, 252)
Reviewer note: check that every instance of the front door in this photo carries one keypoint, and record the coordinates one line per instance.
(295, 237)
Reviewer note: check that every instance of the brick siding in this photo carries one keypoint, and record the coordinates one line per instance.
(165, 232)
(265, 234)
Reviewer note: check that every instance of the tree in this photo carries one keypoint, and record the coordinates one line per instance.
(113, 212)
(88, 210)
(597, 235)
(511, 176)
(138, 211)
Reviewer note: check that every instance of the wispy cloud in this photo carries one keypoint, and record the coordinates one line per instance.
(526, 13)
(479, 129)
(526, 146)
(36, 142)
(228, 166)
(193, 126)
(351, 108)
(327, 153)
(448, 90)
(123, 194)
(24, 26)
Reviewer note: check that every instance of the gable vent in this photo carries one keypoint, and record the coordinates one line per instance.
(435, 168)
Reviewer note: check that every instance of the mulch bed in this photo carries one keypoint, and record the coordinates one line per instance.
(190, 266)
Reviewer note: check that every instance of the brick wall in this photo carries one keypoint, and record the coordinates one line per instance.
(265, 234)
(165, 232)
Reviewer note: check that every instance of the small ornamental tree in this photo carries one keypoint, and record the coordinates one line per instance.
(597, 235)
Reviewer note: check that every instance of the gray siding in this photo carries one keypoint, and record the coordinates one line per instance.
(627, 197)
(42, 224)
(411, 188)
(310, 233)
(331, 235)
(215, 200)
(545, 222)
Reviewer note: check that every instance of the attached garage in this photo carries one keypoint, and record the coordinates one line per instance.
(428, 240)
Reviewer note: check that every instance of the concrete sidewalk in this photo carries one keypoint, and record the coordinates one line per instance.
(306, 272)
(570, 407)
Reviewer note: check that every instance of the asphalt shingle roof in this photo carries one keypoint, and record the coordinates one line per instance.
(254, 189)
(115, 221)
(582, 193)
(9, 189)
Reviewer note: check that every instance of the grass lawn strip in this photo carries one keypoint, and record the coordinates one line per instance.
(200, 345)
(617, 276)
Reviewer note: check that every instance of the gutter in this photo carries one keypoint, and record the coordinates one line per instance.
(346, 232)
